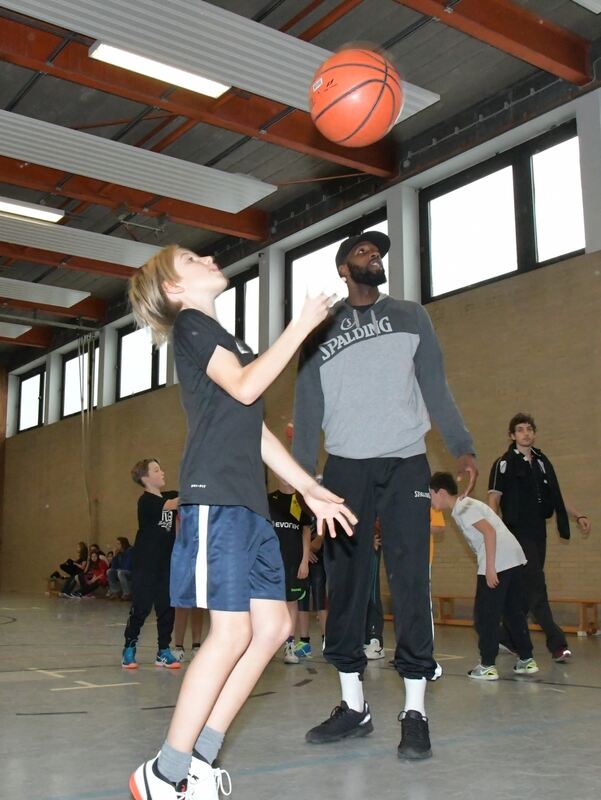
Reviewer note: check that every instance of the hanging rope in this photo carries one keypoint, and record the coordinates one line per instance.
(86, 352)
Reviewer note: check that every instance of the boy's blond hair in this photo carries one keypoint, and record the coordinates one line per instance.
(150, 305)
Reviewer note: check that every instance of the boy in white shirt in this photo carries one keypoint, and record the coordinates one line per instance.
(499, 590)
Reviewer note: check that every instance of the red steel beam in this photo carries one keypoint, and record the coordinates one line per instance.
(518, 32)
(341, 10)
(245, 114)
(248, 224)
(92, 308)
(35, 256)
(36, 337)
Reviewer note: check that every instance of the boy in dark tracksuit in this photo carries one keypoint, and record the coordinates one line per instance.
(523, 488)
(152, 562)
(371, 376)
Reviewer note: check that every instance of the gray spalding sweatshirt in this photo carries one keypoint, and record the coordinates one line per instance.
(372, 379)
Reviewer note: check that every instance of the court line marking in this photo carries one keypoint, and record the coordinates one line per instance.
(55, 674)
(86, 685)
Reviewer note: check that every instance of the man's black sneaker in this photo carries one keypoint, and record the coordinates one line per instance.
(415, 736)
(343, 723)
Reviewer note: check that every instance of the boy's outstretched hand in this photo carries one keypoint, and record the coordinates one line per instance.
(328, 507)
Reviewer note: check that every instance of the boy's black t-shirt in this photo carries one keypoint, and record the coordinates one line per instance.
(156, 531)
(286, 514)
(222, 463)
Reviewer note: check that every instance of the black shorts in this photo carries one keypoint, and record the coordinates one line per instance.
(315, 598)
(291, 547)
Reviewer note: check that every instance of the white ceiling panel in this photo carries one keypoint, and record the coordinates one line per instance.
(40, 293)
(205, 40)
(10, 330)
(80, 153)
(74, 242)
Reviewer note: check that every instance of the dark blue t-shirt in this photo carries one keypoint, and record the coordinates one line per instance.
(222, 463)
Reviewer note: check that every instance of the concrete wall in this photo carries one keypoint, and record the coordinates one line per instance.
(530, 342)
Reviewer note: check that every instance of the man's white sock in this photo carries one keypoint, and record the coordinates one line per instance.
(352, 690)
(415, 695)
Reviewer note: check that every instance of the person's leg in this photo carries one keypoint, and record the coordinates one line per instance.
(374, 626)
(488, 607)
(229, 636)
(270, 625)
(70, 584)
(179, 627)
(403, 505)
(513, 614)
(197, 616)
(124, 576)
(347, 566)
(113, 579)
(536, 588)
(165, 618)
(140, 609)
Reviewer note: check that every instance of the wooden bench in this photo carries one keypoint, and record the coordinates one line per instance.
(444, 613)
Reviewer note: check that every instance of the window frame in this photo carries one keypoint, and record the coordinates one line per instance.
(122, 332)
(238, 285)
(40, 370)
(90, 378)
(519, 158)
(352, 228)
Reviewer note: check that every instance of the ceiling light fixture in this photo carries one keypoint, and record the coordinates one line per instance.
(155, 69)
(30, 210)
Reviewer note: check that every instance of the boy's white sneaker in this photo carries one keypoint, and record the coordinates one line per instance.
(178, 653)
(206, 782)
(147, 783)
(374, 650)
(290, 656)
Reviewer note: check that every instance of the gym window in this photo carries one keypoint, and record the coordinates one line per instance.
(140, 366)
(31, 399)
(513, 213)
(238, 307)
(311, 268)
(80, 373)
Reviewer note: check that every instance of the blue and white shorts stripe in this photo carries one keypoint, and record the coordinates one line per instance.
(223, 557)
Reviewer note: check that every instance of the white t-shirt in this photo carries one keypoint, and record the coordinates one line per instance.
(466, 513)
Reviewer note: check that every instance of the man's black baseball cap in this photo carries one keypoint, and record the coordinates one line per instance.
(381, 241)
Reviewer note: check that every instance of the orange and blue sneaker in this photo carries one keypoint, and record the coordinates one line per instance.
(303, 649)
(128, 660)
(165, 658)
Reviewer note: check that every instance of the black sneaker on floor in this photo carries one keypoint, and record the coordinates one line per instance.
(415, 736)
(343, 723)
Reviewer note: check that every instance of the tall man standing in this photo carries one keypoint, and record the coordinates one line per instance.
(524, 490)
(371, 376)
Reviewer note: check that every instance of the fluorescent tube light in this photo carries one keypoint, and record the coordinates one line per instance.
(155, 69)
(31, 210)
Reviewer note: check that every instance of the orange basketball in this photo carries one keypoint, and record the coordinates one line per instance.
(356, 97)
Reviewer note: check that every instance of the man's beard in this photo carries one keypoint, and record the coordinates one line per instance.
(367, 277)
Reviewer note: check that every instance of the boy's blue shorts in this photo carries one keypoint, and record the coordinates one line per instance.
(223, 557)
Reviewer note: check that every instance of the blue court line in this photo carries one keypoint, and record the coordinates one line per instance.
(352, 755)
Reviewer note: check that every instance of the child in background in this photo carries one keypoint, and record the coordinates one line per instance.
(314, 600)
(291, 525)
(499, 590)
(374, 629)
(152, 560)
